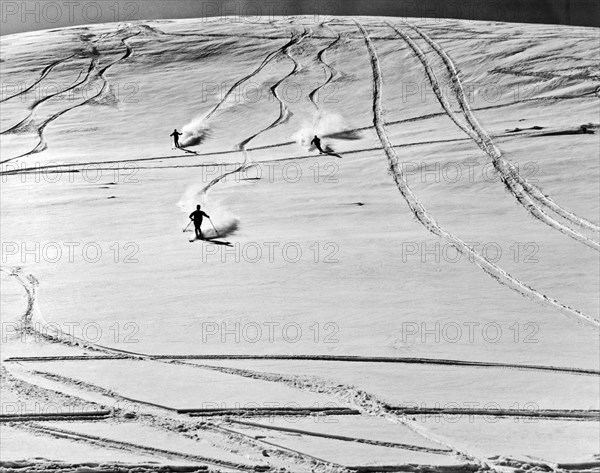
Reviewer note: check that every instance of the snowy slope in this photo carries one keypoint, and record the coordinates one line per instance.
(484, 263)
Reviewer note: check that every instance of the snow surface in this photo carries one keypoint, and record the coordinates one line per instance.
(86, 162)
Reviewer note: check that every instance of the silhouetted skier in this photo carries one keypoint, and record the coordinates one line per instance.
(197, 216)
(317, 142)
(176, 136)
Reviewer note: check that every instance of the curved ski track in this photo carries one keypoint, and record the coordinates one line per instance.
(487, 141)
(284, 113)
(42, 145)
(429, 222)
(516, 185)
(42, 76)
(366, 402)
(25, 122)
(331, 72)
(72, 166)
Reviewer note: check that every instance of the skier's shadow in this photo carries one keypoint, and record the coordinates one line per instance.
(218, 242)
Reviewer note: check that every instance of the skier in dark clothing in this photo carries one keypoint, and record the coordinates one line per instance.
(176, 136)
(317, 142)
(197, 217)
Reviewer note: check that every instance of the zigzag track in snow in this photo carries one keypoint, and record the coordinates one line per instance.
(331, 72)
(284, 113)
(429, 222)
(509, 175)
(484, 140)
(27, 120)
(272, 55)
(42, 76)
(42, 145)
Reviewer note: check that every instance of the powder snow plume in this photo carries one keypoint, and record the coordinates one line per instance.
(324, 125)
(224, 222)
(194, 132)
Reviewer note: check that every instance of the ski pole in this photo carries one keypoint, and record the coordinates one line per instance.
(188, 226)
(213, 225)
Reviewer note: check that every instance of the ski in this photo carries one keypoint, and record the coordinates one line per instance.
(214, 242)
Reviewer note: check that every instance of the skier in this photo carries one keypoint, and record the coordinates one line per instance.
(176, 136)
(197, 217)
(317, 142)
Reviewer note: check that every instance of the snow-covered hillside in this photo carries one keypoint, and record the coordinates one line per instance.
(425, 293)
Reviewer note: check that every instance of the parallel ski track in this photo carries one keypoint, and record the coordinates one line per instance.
(429, 222)
(305, 458)
(42, 76)
(402, 446)
(258, 148)
(58, 416)
(516, 185)
(134, 447)
(328, 358)
(284, 112)
(330, 71)
(272, 55)
(77, 83)
(42, 145)
(366, 403)
(69, 339)
(488, 145)
(73, 168)
(292, 455)
(31, 293)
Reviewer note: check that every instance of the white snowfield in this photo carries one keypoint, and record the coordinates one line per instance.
(423, 296)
